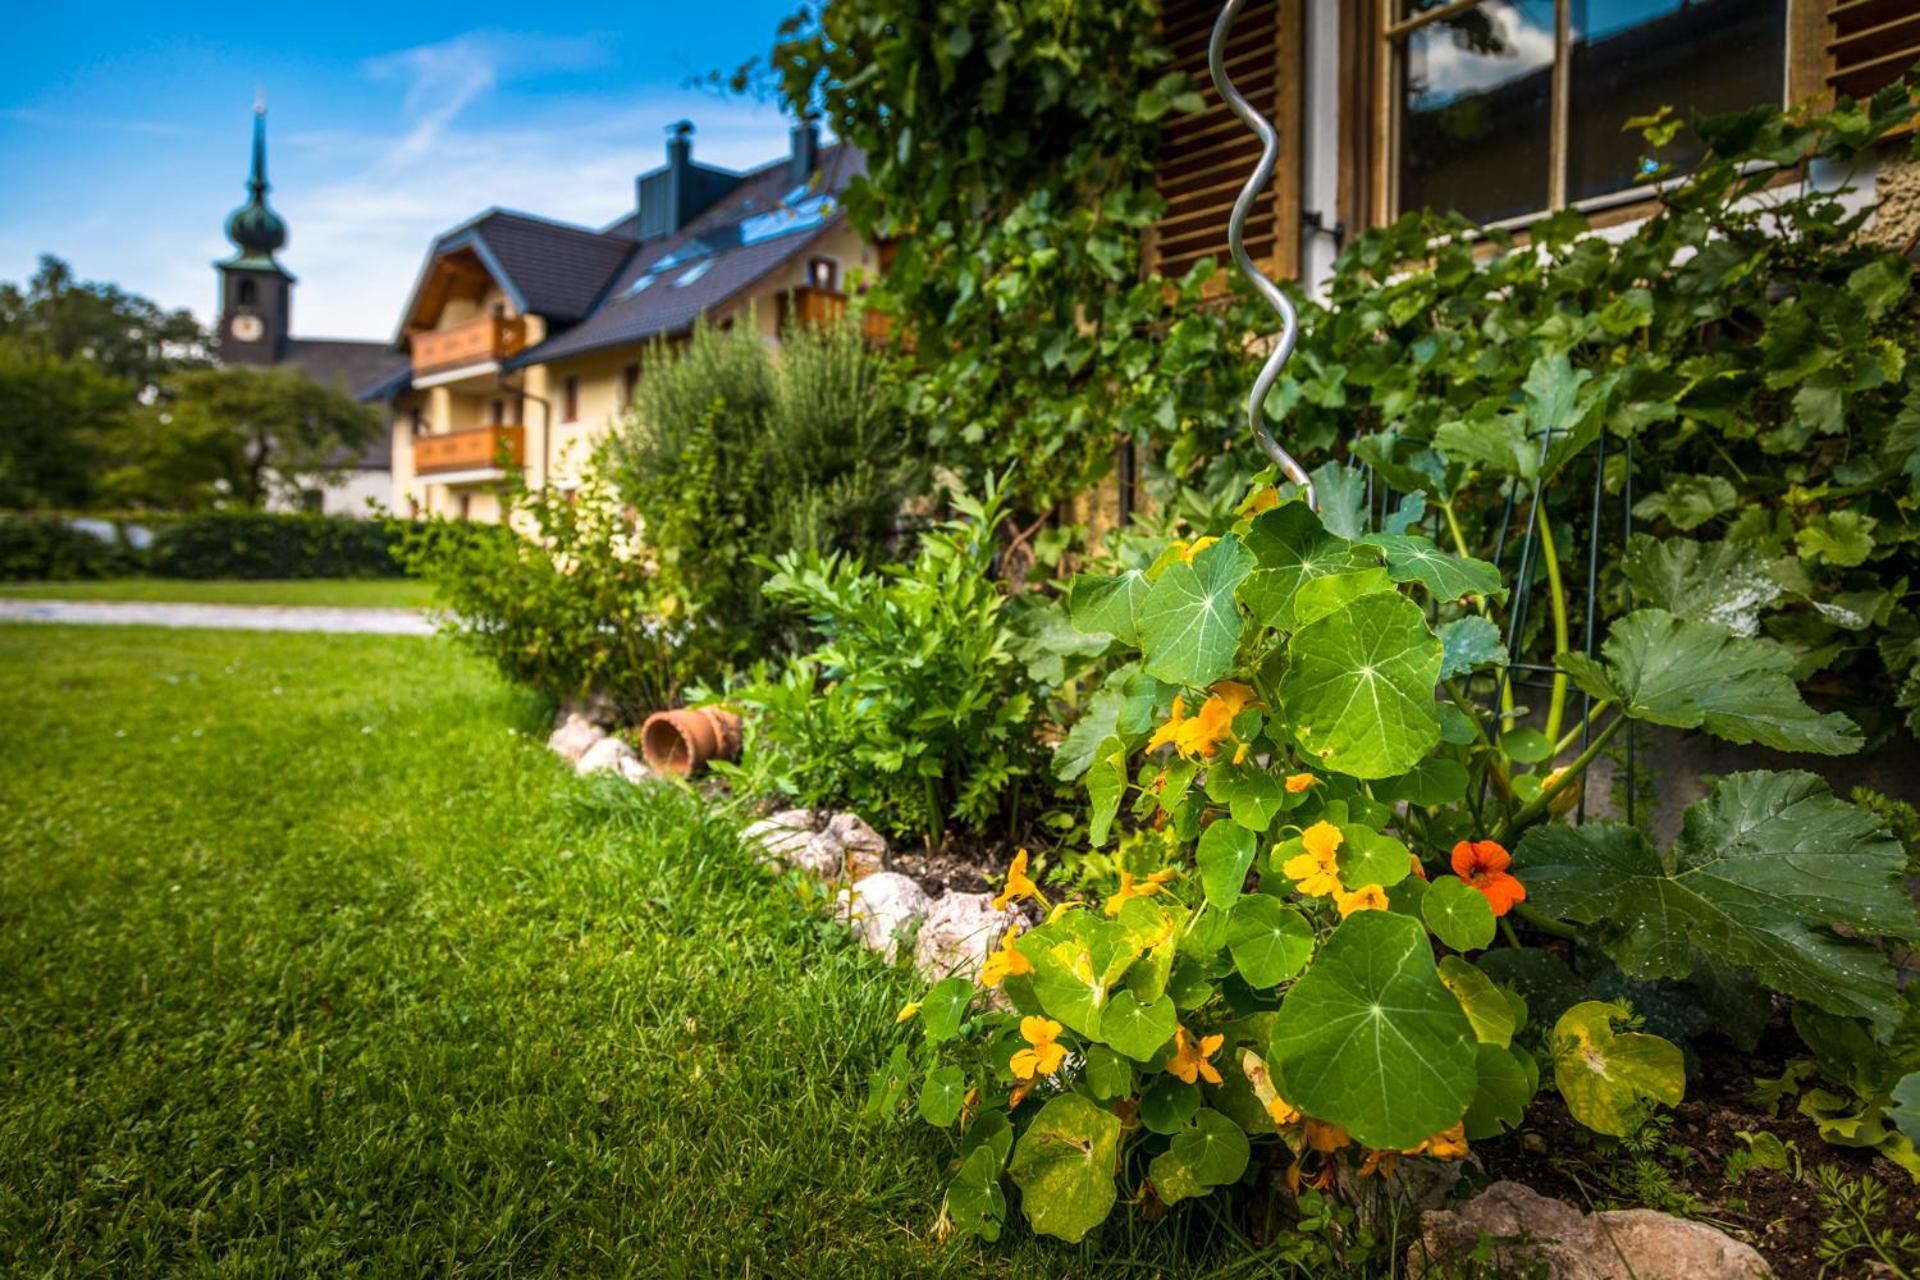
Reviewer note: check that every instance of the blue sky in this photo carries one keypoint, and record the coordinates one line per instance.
(124, 131)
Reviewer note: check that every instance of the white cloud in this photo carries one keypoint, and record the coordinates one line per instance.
(1448, 68)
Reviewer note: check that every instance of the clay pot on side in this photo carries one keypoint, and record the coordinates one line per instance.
(684, 740)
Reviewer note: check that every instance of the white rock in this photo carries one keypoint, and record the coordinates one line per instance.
(634, 769)
(574, 736)
(609, 754)
(959, 931)
(855, 835)
(779, 840)
(796, 819)
(882, 908)
(596, 708)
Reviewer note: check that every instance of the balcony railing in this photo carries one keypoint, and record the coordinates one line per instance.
(487, 339)
(475, 450)
(809, 306)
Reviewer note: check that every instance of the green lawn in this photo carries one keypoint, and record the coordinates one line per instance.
(313, 961)
(361, 593)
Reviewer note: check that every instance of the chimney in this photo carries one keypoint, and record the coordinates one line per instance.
(679, 145)
(804, 156)
(676, 193)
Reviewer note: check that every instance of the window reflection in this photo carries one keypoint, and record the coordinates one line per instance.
(1477, 91)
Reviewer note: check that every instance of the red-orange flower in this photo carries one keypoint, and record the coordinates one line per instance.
(1483, 864)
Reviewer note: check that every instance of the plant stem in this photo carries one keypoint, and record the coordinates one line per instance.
(1538, 805)
(1558, 599)
(1565, 744)
(1544, 922)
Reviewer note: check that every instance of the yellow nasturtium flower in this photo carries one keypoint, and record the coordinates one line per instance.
(1005, 962)
(1047, 1053)
(1315, 872)
(1017, 885)
(1200, 737)
(1298, 782)
(1189, 1060)
(1131, 888)
(906, 1013)
(1366, 898)
(1188, 550)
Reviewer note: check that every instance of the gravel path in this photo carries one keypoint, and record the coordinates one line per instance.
(250, 617)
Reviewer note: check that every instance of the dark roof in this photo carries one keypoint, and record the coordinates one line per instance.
(349, 365)
(726, 250)
(558, 270)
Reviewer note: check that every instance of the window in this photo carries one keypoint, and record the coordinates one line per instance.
(1502, 109)
(248, 292)
(824, 273)
(629, 383)
(312, 501)
(417, 421)
(570, 399)
(496, 412)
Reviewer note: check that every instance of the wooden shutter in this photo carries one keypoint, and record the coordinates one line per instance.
(1205, 157)
(1874, 43)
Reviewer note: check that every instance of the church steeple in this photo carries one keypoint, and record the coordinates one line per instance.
(256, 292)
(255, 229)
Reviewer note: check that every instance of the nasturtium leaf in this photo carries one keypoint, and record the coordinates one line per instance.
(1412, 558)
(1487, 1007)
(1167, 1103)
(1724, 583)
(1695, 675)
(975, 1202)
(1269, 940)
(941, 1094)
(1138, 1028)
(1434, 782)
(1319, 597)
(1455, 725)
(1458, 914)
(1501, 1094)
(1370, 1039)
(888, 1085)
(993, 1130)
(1106, 784)
(1763, 866)
(1526, 746)
(1291, 549)
(1470, 642)
(1108, 1075)
(1359, 687)
(1063, 1165)
(1122, 707)
(1109, 604)
(1189, 623)
(1225, 855)
(1369, 857)
(1076, 960)
(1156, 926)
(1610, 1080)
(1188, 985)
(944, 1008)
(1210, 1152)
(1252, 796)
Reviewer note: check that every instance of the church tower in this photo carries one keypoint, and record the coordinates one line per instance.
(256, 292)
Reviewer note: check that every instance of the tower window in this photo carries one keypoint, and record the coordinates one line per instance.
(823, 273)
(248, 293)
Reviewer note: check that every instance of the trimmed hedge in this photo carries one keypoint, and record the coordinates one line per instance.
(217, 545)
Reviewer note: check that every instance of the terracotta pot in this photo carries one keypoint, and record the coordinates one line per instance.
(683, 740)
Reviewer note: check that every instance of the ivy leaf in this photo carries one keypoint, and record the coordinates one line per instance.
(1470, 642)
(1138, 1029)
(1269, 940)
(941, 1095)
(1224, 856)
(1764, 864)
(1412, 558)
(1109, 605)
(1063, 1165)
(1371, 1039)
(1610, 1080)
(1290, 549)
(1840, 538)
(1689, 501)
(1724, 583)
(1458, 914)
(1359, 687)
(1696, 675)
(1210, 1152)
(1189, 624)
(1494, 442)
(1500, 1095)
(975, 1201)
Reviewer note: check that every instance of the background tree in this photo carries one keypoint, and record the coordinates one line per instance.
(130, 337)
(57, 416)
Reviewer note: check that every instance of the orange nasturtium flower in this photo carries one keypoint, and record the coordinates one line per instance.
(1483, 864)
(1315, 873)
(1017, 884)
(1448, 1144)
(1325, 1137)
(1131, 888)
(1005, 962)
(1047, 1053)
(1366, 898)
(1260, 500)
(1298, 782)
(1189, 1058)
(1199, 737)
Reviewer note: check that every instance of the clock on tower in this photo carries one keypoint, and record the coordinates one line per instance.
(256, 292)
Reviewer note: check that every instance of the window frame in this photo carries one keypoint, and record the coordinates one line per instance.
(570, 398)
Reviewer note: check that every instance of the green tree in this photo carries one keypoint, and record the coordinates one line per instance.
(56, 416)
(237, 435)
(130, 337)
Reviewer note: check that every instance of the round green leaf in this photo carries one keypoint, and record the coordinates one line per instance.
(1209, 1152)
(1371, 1039)
(1269, 940)
(1369, 857)
(1487, 1007)
(1458, 914)
(975, 1201)
(1108, 1075)
(1225, 855)
(1359, 687)
(941, 1095)
(1609, 1080)
(1527, 746)
(992, 1130)
(1168, 1103)
(1501, 1095)
(1138, 1029)
(944, 1008)
(1434, 781)
(1063, 1165)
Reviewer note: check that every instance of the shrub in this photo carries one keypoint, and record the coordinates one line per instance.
(272, 545)
(914, 711)
(51, 549)
(569, 609)
(734, 453)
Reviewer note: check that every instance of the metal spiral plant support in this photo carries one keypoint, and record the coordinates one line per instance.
(1236, 242)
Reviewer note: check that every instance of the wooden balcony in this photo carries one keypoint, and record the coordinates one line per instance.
(475, 450)
(486, 340)
(809, 307)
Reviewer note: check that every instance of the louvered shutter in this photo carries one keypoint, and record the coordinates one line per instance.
(1874, 43)
(1206, 157)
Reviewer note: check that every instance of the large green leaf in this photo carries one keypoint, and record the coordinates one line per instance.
(1372, 1040)
(1487, 1007)
(1210, 1152)
(1076, 960)
(975, 1201)
(1697, 675)
(1110, 604)
(1412, 558)
(1610, 1080)
(1138, 1029)
(1501, 1094)
(1764, 864)
(941, 1095)
(1269, 940)
(1225, 855)
(1063, 1165)
(1359, 687)
(1189, 623)
(1458, 914)
(1290, 549)
(1724, 583)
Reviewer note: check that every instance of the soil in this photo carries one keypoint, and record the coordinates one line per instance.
(1770, 1210)
(951, 870)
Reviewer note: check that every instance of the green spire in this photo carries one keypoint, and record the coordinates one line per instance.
(255, 229)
